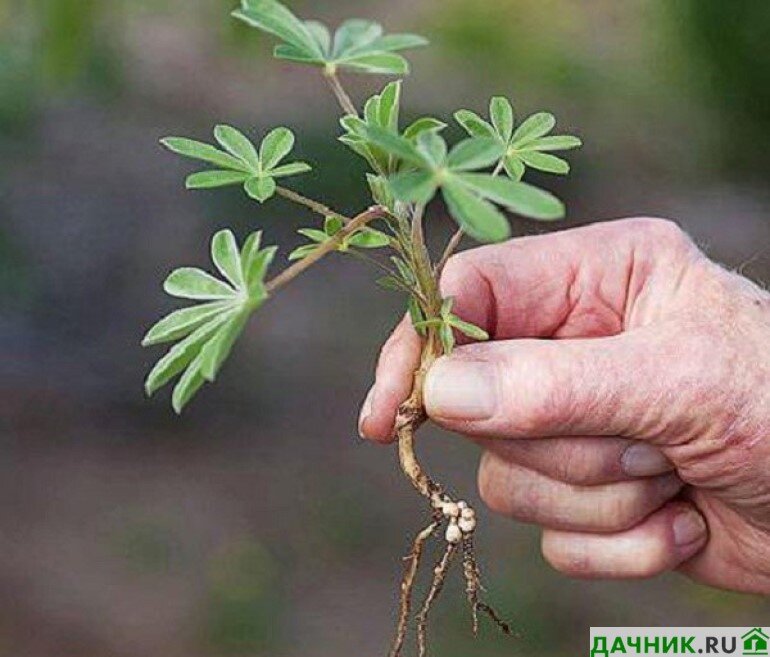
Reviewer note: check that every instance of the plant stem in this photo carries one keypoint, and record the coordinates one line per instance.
(339, 91)
(309, 203)
(290, 273)
(449, 250)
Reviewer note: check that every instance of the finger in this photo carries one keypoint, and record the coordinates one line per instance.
(582, 282)
(398, 360)
(529, 496)
(629, 385)
(584, 461)
(663, 541)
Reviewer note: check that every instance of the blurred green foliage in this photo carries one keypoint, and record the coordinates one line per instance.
(245, 600)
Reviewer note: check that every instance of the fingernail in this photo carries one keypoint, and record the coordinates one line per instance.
(366, 411)
(460, 390)
(689, 527)
(643, 460)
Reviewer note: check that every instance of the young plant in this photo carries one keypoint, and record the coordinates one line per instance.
(479, 178)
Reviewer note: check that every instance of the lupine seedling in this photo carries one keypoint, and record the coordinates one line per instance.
(478, 178)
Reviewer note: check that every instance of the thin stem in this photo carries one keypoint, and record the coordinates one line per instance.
(339, 91)
(453, 243)
(290, 273)
(309, 203)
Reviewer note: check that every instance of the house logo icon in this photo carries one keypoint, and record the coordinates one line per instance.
(755, 642)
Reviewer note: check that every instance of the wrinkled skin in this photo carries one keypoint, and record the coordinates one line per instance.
(623, 402)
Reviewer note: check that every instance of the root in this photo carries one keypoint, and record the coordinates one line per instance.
(439, 577)
(407, 586)
(456, 516)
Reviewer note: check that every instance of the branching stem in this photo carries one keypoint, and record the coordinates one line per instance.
(330, 245)
(339, 91)
(453, 243)
(309, 203)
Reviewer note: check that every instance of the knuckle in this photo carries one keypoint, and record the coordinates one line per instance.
(564, 557)
(578, 464)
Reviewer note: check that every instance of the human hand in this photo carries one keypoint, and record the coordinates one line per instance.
(623, 402)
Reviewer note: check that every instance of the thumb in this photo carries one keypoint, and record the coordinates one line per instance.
(625, 385)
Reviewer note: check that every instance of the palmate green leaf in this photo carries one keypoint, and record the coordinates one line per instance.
(238, 145)
(389, 106)
(414, 186)
(514, 167)
(208, 331)
(227, 258)
(292, 54)
(302, 252)
(421, 125)
(182, 322)
(466, 328)
(394, 42)
(290, 169)
(368, 238)
(535, 126)
(553, 143)
(275, 146)
(354, 35)
(544, 162)
(275, 18)
(385, 63)
(314, 234)
(182, 354)
(474, 125)
(524, 199)
(474, 153)
(394, 144)
(218, 348)
(322, 37)
(477, 217)
(333, 225)
(260, 188)
(501, 113)
(194, 283)
(205, 152)
(447, 338)
(433, 148)
(213, 179)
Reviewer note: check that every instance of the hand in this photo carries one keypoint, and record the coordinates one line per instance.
(623, 402)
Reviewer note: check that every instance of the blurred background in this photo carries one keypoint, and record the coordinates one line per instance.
(258, 523)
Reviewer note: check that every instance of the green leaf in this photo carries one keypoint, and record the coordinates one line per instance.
(183, 322)
(394, 145)
(354, 35)
(181, 354)
(520, 197)
(302, 251)
(544, 162)
(238, 145)
(403, 270)
(384, 63)
(393, 42)
(514, 167)
(321, 35)
(554, 143)
(474, 153)
(290, 169)
(292, 54)
(333, 225)
(255, 275)
(433, 148)
(199, 151)
(390, 100)
(535, 126)
(480, 219)
(227, 258)
(368, 238)
(275, 146)
(415, 313)
(273, 17)
(424, 124)
(211, 179)
(313, 234)
(189, 383)
(473, 124)
(260, 189)
(414, 187)
(218, 348)
(501, 113)
(447, 338)
(446, 307)
(466, 328)
(381, 192)
(193, 283)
